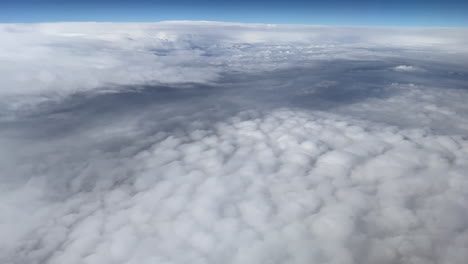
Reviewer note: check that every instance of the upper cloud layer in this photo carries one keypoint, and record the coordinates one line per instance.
(64, 58)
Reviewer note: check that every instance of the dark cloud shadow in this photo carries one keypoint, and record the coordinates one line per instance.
(321, 86)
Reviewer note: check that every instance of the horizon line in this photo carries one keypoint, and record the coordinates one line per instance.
(233, 22)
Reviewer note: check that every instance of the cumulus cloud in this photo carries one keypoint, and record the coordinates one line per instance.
(288, 186)
(208, 142)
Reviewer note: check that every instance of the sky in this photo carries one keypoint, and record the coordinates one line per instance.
(429, 13)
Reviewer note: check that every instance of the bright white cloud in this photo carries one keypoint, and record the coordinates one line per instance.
(407, 68)
(208, 142)
(289, 186)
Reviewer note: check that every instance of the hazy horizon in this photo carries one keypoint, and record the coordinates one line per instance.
(432, 13)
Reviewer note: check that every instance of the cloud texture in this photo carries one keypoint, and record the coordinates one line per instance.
(197, 142)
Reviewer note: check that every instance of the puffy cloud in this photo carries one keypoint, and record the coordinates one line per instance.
(287, 186)
(210, 142)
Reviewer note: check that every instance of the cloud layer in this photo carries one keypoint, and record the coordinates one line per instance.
(203, 142)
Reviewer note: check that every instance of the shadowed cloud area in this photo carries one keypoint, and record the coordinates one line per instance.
(203, 142)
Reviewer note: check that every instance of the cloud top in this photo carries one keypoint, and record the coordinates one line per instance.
(285, 187)
(206, 142)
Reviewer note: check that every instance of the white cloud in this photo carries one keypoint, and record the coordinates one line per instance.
(64, 58)
(217, 142)
(308, 187)
(407, 68)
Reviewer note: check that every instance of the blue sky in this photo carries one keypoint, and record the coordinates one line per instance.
(446, 13)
